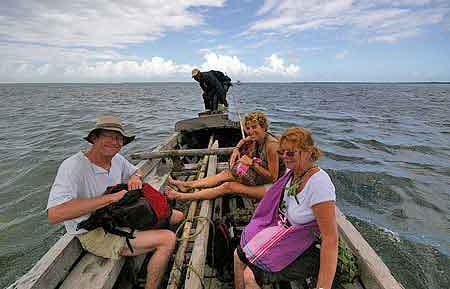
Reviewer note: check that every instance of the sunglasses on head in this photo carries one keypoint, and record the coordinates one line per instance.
(288, 153)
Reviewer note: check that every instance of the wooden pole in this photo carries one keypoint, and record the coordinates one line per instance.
(179, 153)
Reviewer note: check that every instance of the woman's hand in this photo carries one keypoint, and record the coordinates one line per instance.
(243, 141)
(246, 160)
(234, 157)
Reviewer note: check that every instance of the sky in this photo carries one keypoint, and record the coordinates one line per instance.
(249, 40)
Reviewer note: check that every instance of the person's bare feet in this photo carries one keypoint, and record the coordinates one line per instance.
(171, 194)
(180, 185)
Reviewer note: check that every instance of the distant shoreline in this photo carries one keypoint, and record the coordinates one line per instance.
(241, 83)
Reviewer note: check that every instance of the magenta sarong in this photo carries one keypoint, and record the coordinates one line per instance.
(269, 244)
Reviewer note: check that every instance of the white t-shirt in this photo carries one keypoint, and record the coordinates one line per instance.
(318, 189)
(78, 178)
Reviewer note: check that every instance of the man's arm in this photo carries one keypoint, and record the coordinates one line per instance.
(78, 207)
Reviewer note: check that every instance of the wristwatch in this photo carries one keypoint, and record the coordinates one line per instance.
(137, 174)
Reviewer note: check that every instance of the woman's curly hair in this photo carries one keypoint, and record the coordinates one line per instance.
(257, 116)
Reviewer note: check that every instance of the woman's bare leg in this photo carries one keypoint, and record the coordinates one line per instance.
(207, 182)
(256, 192)
(249, 279)
(239, 268)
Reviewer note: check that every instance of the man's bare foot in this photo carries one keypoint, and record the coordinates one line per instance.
(171, 193)
(180, 185)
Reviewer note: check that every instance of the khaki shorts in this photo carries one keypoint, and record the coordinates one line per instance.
(102, 244)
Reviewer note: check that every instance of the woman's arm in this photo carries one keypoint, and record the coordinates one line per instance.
(326, 218)
(272, 162)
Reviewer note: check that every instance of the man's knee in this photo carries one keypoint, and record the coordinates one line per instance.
(168, 240)
(176, 217)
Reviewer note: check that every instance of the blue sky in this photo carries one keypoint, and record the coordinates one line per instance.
(286, 40)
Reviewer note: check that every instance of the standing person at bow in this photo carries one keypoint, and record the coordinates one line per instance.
(279, 243)
(215, 85)
(254, 166)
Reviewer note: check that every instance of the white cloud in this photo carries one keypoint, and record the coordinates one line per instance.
(154, 69)
(342, 55)
(374, 20)
(71, 23)
(274, 68)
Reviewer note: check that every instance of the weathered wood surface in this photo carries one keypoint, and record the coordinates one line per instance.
(175, 273)
(146, 166)
(214, 121)
(374, 273)
(196, 269)
(53, 267)
(93, 272)
(180, 153)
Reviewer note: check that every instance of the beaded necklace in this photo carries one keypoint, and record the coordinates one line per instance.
(292, 190)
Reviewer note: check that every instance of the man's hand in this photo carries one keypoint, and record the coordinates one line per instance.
(134, 183)
(246, 160)
(117, 196)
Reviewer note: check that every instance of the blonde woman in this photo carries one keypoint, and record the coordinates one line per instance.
(254, 165)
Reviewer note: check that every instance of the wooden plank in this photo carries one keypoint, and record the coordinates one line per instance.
(374, 273)
(222, 166)
(93, 272)
(175, 273)
(53, 266)
(232, 203)
(213, 121)
(181, 153)
(248, 204)
(196, 269)
(146, 166)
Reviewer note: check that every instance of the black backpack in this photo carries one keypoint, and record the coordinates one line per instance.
(132, 211)
(224, 79)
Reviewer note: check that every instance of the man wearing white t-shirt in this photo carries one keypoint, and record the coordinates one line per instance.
(78, 191)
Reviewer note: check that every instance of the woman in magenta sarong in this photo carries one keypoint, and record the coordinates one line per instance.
(280, 242)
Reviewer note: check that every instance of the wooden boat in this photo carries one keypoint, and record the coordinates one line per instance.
(66, 265)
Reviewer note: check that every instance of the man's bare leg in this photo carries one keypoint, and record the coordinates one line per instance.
(207, 182)
(163, 244)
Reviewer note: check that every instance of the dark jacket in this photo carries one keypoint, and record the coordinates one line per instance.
(213, 91)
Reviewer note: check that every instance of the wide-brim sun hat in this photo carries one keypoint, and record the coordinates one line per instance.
(111, 123)
(195, 71)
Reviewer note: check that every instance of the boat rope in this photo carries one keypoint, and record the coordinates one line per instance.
(197, 231)
(189, 266)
